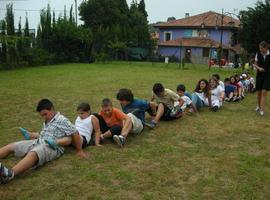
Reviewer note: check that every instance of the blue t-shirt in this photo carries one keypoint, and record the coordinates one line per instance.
(137, 107)
(229, 89)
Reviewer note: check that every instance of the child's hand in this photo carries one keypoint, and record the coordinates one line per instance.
(33, 135)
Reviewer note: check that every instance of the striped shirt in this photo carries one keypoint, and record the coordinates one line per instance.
(57, 128)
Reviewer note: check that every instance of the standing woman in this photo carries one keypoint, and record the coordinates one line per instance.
(262, 64)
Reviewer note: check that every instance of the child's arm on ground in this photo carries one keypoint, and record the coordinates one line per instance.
(96, 126)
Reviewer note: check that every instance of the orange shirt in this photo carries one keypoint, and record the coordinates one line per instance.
(116, 118)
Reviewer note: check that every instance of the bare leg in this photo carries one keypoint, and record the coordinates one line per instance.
(231, 95)
(26, 163)
(160, 112)
(127, 127)
(259, 94)
(6, 150)
(153, 107)
(262, 100)
(239, 92)
(107, 134)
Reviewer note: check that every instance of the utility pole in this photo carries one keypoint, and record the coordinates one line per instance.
(221, 37)
(180, 55)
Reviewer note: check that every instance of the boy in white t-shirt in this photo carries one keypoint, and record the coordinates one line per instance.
(85, 124)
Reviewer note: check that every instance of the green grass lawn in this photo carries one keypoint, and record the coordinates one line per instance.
(223, 155)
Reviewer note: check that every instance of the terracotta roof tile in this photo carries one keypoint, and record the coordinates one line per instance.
(208, 19)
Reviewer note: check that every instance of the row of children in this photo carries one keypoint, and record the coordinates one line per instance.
(39, 148)
(237, 86)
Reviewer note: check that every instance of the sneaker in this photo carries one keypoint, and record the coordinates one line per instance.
(120, 140)
(152, 124)
(261, 113)
(6, 174)
(257, 109)
(52, 143)
(227, 99)
(235, 99)
(215, 108)
(25, 133)
(242, 97)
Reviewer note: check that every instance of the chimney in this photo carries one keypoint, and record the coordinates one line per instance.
(186, 15)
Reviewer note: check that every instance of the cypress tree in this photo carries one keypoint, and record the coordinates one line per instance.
(141, 8)
(71, 17)
(19, 33)
(3, 27)
(26, 27)
(10, 20)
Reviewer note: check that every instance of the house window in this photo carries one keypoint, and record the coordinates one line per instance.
(203, 33)
(188, 33)
(194, 33)
(206, 52)
(168, 36)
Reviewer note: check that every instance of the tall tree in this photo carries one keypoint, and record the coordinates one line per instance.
(10, 19)
(254, 29)
(27, 40)
(123, 6)
(26, 27)
(65, 13)
(71, 16)
(96, 13)
(141, 8)
(133, 6)
(3, 27)
(19, 33)
(3, 50)
(46, 28)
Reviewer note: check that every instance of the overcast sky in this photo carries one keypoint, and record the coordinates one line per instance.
(158, 10)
